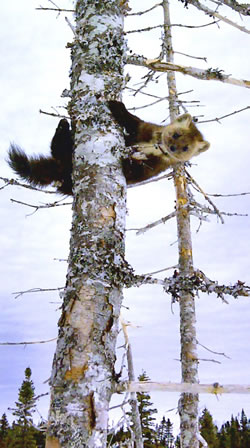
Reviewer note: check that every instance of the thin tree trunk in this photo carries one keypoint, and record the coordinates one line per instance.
(135, 414)
(83, 375)
(188, 404)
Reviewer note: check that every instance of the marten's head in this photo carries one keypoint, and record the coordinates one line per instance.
(182, 140)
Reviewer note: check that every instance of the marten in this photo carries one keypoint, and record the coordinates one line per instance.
(40, 170)
(154, 148)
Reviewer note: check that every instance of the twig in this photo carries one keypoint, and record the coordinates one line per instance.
(225, 116)
(150, 28)
(193, 182)
(38, 207)
(54, 9)
(193, 57)
(156, 223)
(70, 25)
(162, 270)
(144, 12)
(218, 195)
(20, 184)
(32, 290)
(154, 179)
(212, 351)
(28, 343)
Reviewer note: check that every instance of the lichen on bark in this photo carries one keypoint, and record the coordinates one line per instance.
(83, 377)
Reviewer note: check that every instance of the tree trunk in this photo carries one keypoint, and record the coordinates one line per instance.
(188, 404)
(83, 376)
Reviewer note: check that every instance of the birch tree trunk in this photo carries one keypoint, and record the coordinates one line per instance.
(188, 403)
(83, 375)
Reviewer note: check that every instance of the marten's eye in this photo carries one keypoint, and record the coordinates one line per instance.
(185, 148)
(176, 135)
(172, 148)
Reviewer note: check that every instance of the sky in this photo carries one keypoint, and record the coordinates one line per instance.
(35, 244)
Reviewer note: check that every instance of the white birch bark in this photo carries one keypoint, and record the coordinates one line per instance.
(83, 375)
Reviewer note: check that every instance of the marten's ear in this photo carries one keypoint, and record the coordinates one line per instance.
(203, 146)
(184, 121)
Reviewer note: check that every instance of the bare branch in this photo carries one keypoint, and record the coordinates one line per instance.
(150, 28)
(217, 195)
(33, 290)
(28, 343)
(20, 184)
(212, 13)
(144, 12)
(156, 223)
(193, 57)
(153, 179)
(70, 25)
(225, 116)
(162, 270)
(195, 184)
(53, 114)
(155, 96)
(193, 388)
(54, 9)
(243, 8)
(212, 351)
(209, 74)
(38, 207)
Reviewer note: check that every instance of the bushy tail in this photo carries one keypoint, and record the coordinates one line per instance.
(38, 170)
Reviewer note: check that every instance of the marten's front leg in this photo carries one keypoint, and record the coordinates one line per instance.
(130, 122)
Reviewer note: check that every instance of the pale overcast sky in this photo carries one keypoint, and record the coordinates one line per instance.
(35, 67)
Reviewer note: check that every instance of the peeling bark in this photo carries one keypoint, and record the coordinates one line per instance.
(83, 376)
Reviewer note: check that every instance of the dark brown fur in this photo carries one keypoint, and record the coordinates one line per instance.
(156, 148)
(40, 170)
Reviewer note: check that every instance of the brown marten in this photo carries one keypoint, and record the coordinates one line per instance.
(154, 148)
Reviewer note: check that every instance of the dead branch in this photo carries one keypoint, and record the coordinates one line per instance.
(34, 290)
(210, 74)
(38, 207)
(193, 388)
(195, 184)
(191, 284)
(150, 28)
(156, 223)
(140, 13)
(54, 9)
(218, 195)
(20, 184)
(225, 116)
(243, 8)
(212, 13)
(28, 343)
(212, 351)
